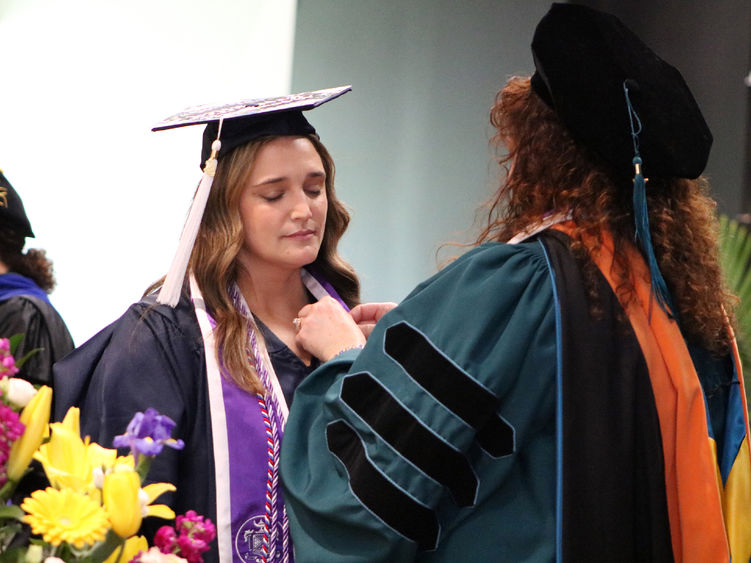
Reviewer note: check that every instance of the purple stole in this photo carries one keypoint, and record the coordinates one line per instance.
(251, 521)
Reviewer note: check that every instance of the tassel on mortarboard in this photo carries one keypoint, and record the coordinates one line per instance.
(643, 236)
(169, 294)
(236, 123)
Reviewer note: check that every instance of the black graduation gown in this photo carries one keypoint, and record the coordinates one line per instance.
(43, 328)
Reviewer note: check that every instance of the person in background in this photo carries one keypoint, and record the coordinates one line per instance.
(568, 390)
(25, 280)
(215, 350)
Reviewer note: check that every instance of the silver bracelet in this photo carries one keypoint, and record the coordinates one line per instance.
(340, 352)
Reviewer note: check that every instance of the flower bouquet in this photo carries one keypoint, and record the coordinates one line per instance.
(93, 507)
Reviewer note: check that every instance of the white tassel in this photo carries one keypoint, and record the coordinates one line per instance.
(169, 294)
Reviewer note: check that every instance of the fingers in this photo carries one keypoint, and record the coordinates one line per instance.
(366, 328)
(327, 305)
(371, 312)
(325, 328)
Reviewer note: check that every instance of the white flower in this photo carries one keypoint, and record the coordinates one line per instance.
(98, 476)
(18, 392)
(33, 554)
(53, 559)
(155, 556)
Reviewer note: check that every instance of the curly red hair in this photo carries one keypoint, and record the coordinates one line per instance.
(32, 264)
(548, 170)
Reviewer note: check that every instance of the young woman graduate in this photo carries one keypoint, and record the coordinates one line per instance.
(562, 392)
(216, 350)
(25, 280)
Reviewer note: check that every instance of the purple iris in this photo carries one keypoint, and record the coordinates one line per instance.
(147, 433)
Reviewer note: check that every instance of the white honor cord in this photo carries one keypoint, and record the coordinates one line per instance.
(218, 428)
(539, 226)
(313, 285)
(276, 389)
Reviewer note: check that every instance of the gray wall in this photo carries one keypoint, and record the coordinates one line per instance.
(411, 140)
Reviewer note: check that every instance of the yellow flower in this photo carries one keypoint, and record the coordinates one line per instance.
(65, 516)
(127, 503)
(149, 494)
(35, 417)
(70, 461)
(121, 501)
(131, 548)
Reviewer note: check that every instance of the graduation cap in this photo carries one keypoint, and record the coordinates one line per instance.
(617, 97)
(229, 126)
(12, 213)
(582, 58)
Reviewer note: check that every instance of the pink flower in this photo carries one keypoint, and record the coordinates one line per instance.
(10, 430)
(7, 361)
(191, 539)
(165, 539)
(196, 526)
(191, 548)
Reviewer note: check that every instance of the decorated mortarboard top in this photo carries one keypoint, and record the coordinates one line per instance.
(583, 57)
(247, 120)
(229, 126)
(12, 212)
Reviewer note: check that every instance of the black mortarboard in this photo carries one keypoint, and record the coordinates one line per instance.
(246, 120)
(583, 57)
(12, 212)
(227, 127)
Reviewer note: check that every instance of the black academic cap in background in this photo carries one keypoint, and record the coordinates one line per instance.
(582, 57)
(12, 213)
(247, 120)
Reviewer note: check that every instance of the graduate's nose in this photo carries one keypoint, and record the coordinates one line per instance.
(301, 209)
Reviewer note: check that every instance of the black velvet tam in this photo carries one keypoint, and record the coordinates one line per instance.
(583, 57)
(247, 120)
(12, 213)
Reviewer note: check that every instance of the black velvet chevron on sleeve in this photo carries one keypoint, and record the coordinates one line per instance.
(397, 426)
(450, 385)
(398, 510)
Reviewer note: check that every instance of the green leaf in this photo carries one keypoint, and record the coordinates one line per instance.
(735, 260)
(15, 555)
(15, 341)
(11, 511)
(26, 356)
(104, 549)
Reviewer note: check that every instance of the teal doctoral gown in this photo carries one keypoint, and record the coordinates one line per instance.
(491, 417)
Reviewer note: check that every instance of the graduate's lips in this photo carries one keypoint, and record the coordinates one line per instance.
(301, 234)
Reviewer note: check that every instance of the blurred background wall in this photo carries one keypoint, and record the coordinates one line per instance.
(411, 140)
(83, 82)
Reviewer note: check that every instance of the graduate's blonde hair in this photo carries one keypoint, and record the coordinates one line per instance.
(220, 238)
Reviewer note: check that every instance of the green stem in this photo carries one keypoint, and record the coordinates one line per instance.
(120, 552)
(106, 548)
(7, 490)
(144, 464)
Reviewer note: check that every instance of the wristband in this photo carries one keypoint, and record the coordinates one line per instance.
(340, 352)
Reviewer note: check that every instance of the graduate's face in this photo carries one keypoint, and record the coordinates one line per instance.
(283, 205)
